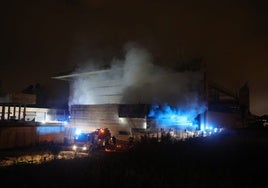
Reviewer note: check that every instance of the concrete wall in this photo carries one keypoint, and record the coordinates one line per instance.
(11, 136)
(88, 118)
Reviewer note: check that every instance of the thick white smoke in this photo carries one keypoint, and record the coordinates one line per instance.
(135, 79)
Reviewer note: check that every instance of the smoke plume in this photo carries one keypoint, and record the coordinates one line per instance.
(135, 79)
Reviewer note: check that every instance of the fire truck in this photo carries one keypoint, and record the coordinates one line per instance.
(100, 139)
(86, 142)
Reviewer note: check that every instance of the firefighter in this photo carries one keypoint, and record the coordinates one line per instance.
(113, 140)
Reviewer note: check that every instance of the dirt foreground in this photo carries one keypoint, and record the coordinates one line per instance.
(235, 158)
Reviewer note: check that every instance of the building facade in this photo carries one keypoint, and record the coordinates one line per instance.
(111, 99)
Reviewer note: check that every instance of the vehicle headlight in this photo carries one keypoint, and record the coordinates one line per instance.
(84, 148)
(74, 147)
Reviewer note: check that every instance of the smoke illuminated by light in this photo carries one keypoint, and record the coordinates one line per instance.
(132, 80)
(167, 117)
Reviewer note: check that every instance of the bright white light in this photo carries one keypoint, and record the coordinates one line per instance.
(74, 147)
(144, 125)
(122, 120)
(77, 131)
(209, 127)
(84, 148)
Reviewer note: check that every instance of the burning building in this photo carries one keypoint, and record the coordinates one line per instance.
(133, 96)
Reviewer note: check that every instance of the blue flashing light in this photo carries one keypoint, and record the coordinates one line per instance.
(49, 129)
(166, 116)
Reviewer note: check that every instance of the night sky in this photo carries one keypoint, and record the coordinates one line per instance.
(41, 38)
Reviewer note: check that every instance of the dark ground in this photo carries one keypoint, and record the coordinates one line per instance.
(235, 158)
